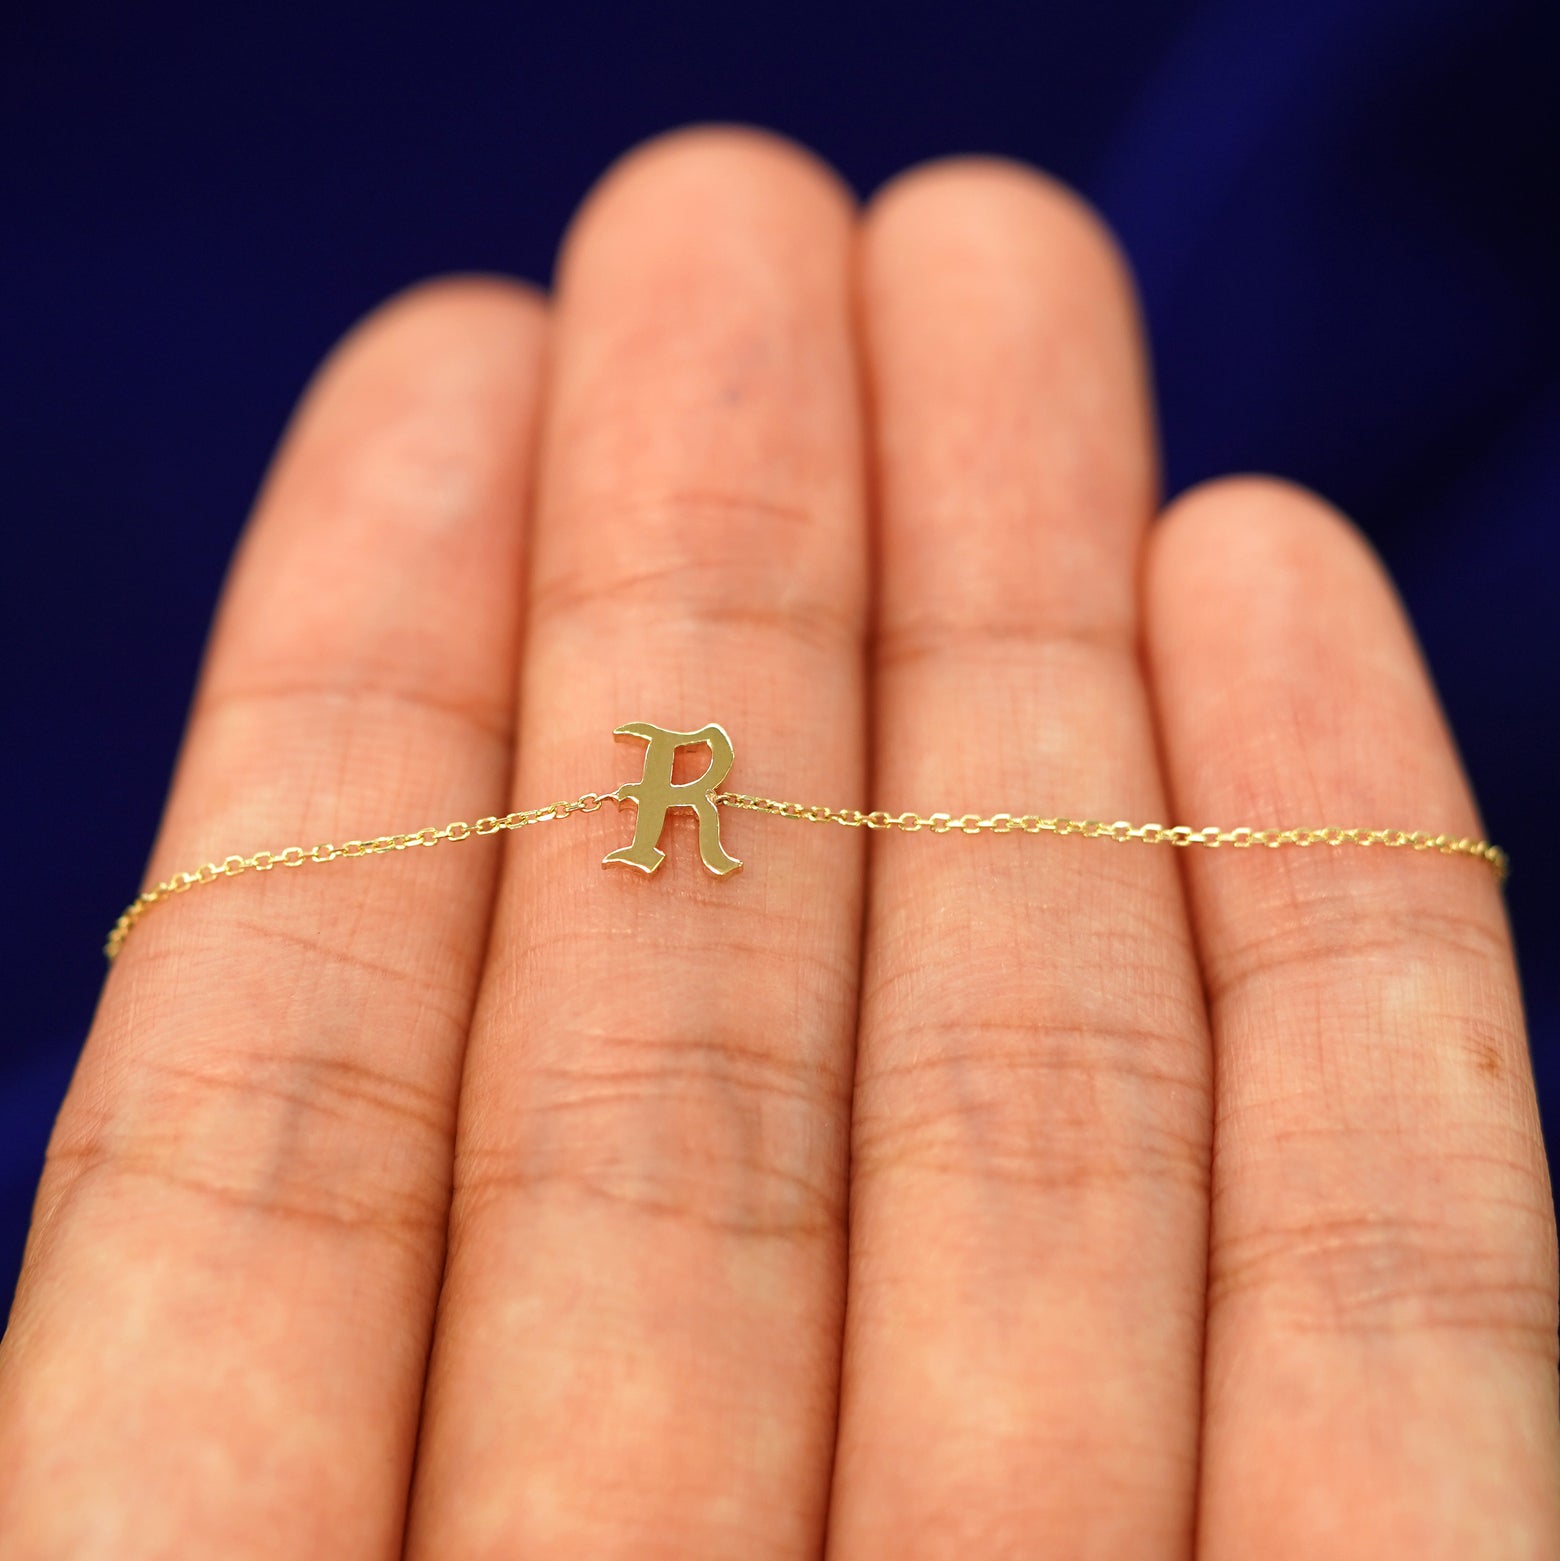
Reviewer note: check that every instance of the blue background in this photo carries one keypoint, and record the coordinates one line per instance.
(1342, 214)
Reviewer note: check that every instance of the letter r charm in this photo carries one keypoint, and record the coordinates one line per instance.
(655, 792)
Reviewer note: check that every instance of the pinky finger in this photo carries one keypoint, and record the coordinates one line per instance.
(1380, 1370)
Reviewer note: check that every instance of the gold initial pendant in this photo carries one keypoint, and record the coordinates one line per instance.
(655, 792)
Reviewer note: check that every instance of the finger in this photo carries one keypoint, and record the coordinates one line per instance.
(219, 1342)
(1031, 1108)
(1381, 1311)
(638, 1340)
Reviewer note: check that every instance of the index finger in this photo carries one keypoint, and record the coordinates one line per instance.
(240, 1232)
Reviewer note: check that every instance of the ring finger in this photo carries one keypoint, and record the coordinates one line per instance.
(1032, 1091)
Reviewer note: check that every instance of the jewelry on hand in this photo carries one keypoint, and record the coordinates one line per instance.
(655, 793)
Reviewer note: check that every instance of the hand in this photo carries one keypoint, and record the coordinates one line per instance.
(1189, 1192)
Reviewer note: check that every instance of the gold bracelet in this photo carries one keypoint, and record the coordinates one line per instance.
(655, 793)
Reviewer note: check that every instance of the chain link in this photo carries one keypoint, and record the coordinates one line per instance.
(1121, 832)
(299, 856)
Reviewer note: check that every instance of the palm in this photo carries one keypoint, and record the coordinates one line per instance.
(1209, 1202)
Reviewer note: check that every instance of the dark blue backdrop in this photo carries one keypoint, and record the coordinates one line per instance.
(1342, 213)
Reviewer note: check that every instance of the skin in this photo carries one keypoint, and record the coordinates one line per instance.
(478, 1202)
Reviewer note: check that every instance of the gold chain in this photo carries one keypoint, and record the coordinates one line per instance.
(851, 818)
(1121, 831)
(298, 856)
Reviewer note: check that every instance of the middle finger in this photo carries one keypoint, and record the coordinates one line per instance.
(638, 1341)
